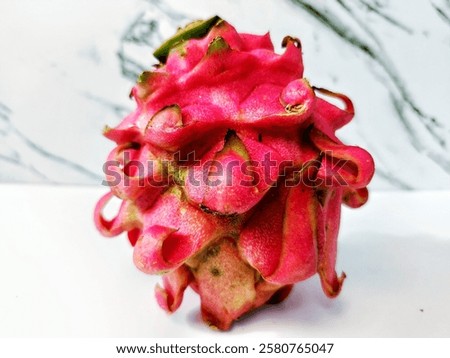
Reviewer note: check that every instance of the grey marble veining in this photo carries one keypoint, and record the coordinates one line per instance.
(428, 134)
(24, 159)
(67, 71)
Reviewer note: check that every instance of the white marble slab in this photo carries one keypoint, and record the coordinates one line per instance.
(67, 66)
(60, 278)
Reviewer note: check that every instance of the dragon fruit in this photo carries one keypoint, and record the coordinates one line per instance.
(230, 173)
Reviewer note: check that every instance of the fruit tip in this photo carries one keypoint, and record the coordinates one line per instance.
(194, 30)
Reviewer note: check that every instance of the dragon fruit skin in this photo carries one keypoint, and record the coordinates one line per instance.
(239, 237)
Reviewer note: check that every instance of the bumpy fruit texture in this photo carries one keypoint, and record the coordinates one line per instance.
(239, 237)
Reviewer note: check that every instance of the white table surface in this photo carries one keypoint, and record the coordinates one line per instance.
(60, 278)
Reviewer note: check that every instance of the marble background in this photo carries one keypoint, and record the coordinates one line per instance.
(66, 68)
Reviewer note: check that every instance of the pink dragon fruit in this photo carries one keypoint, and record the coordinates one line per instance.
(230, 174)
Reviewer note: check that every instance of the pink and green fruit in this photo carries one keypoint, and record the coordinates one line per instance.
(230, 173)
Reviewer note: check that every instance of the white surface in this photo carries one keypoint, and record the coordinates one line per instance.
(60, 278)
